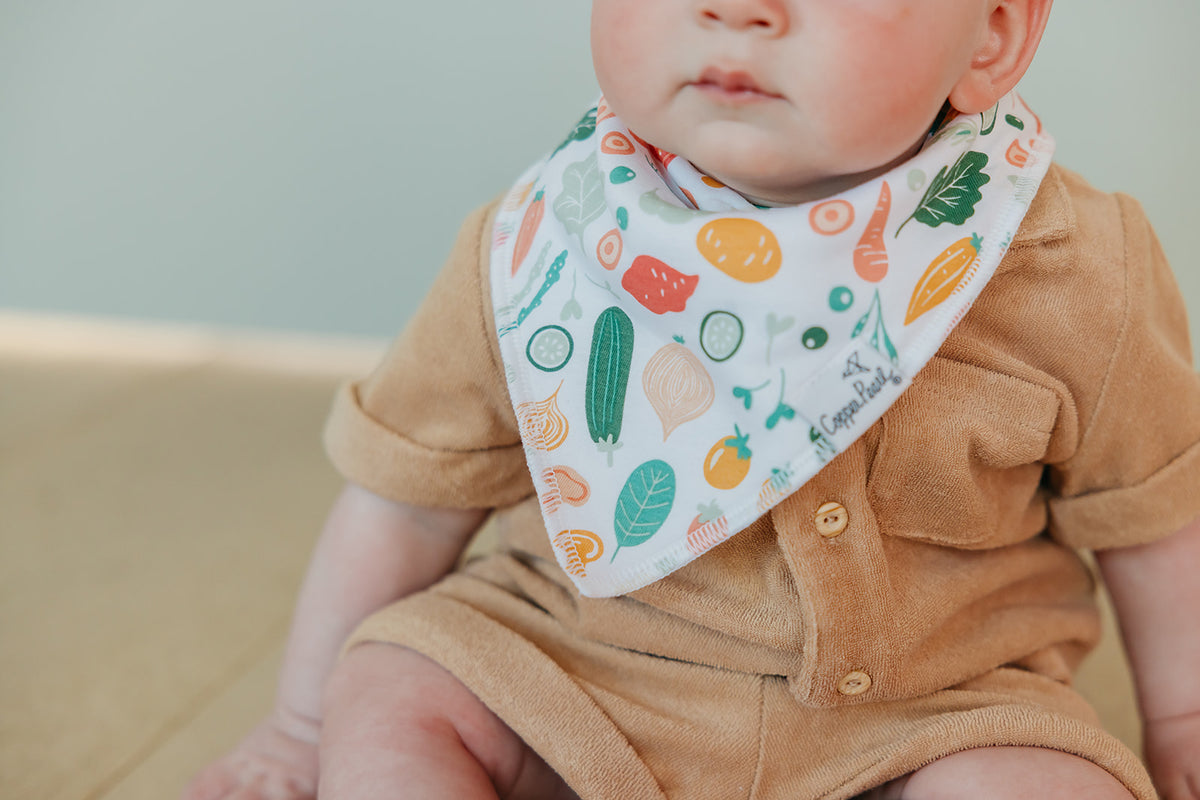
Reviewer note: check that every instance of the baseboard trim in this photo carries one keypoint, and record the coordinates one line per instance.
(28, 335)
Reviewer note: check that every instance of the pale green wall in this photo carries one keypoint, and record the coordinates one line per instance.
(301, 164)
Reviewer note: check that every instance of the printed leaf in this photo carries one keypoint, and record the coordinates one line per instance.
(670, 213)
(988, 119)
(582, 198)
(952, 195)
(583, 129)
(879, 338)
(644, 504)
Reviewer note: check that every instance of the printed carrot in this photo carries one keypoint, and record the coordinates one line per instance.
(870, 254)
(529, 228)
(943, 276)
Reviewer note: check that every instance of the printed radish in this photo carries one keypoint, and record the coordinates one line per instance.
(1016, 155)
(608, 251)
(831, 217)
(616, 144)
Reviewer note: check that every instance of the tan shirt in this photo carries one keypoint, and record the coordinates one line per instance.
(1063, 412)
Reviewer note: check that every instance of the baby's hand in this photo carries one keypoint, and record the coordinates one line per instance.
(1172, 747)
(277, 761)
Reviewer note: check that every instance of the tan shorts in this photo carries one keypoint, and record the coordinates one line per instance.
(621, 724)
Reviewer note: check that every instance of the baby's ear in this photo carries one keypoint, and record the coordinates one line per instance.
(1014, 28)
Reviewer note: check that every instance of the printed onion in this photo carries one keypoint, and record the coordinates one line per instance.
(542, 425)
(677, 385)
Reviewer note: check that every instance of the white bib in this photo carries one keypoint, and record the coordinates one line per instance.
(681, 360)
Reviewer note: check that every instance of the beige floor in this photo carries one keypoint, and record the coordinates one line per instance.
(159, 492)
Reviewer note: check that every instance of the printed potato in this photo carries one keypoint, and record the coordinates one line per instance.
(744, 249)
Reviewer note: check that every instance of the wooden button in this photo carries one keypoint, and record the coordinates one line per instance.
(855, 683)
(832, 519)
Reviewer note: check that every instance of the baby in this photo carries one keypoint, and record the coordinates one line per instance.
(895, 370)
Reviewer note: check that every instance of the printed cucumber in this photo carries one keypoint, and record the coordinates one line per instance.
(608, 378)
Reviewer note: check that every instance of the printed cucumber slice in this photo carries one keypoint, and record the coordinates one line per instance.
(721, 335)
(550, 348)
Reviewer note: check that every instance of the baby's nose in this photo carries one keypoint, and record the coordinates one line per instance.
(763, 16)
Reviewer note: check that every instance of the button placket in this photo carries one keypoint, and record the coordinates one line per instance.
(842, 575)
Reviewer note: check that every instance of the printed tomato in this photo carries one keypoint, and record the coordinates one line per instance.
(657, 285)
(728, 462)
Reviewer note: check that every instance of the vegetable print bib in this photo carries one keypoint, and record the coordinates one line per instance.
(681, 360)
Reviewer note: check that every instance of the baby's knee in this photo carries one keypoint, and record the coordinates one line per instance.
(382, 695)
(394, 684)
(1002, 773)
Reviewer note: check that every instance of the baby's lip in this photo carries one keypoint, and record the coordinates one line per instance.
(733, 83)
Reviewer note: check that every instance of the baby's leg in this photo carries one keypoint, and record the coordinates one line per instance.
(1005, 773)
(398, 725)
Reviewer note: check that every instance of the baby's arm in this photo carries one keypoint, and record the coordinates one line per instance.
(1156, 592)
(372, 551)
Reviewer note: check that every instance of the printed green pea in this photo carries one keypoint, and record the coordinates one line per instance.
(815, 338)
(841, 298)
(621, 175)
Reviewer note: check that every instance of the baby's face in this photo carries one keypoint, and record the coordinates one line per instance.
(784, 100)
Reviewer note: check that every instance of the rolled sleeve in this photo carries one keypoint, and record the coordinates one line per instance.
(1129, 515)
(433, 425)
(1135, 476)
(390, 464)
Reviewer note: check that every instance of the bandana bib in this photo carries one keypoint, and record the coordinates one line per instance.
(681, 360)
